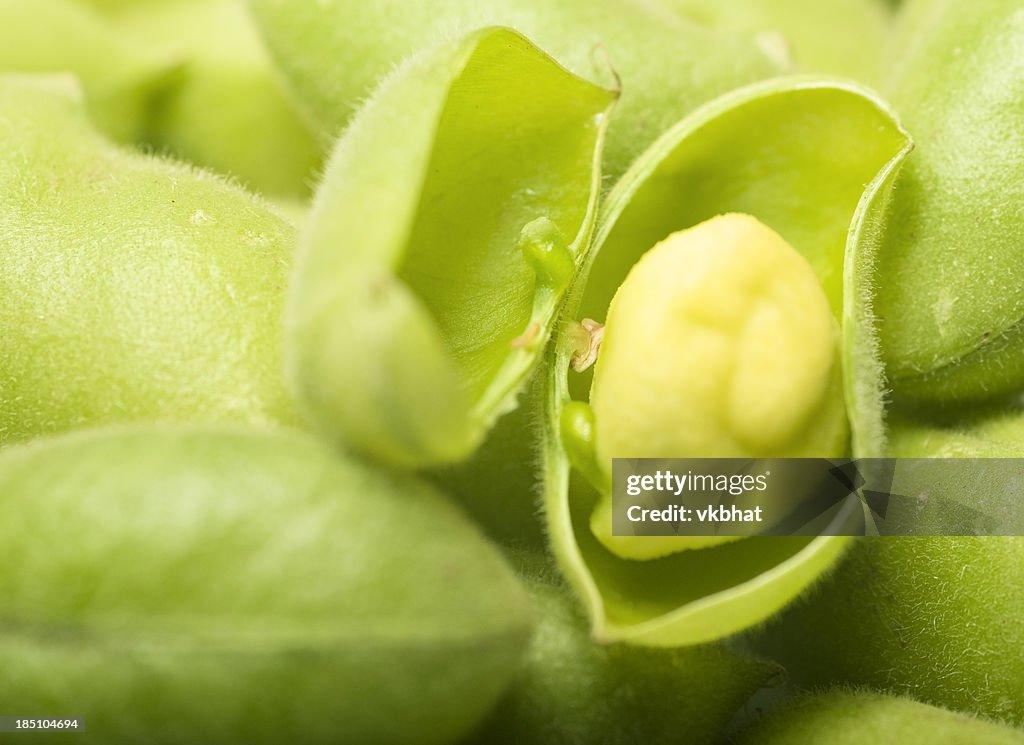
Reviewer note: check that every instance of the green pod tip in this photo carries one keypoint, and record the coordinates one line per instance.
(548, 254)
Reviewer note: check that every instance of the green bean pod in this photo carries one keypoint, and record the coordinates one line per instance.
(942, 250)
(932, 348)
(207, 586)
(446, 230)
(796, 154)
(131, 288)
(937, 619)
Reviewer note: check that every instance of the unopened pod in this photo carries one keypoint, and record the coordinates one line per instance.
(132, 288)
(938, 619)
(209, 586)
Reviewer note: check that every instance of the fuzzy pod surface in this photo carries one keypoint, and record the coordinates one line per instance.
(131, 288)
(571, 690)
(933, 303)
(843, 717)
(938, 619)
(211, 586)
(948, 270)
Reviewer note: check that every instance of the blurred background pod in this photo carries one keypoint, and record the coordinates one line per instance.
(840, 37)
(118, 74)
(796, 154)
(122, 275)
(335, 52)
(850, 717)
(225, 107)
(570, 691)
(949, 302)
(441, 241)
(211, 586)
